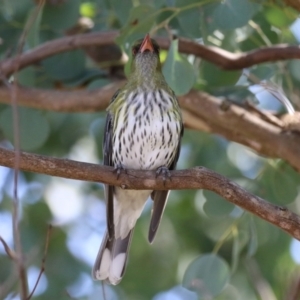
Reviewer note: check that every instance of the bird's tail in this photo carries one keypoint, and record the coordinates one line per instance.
(111, 259)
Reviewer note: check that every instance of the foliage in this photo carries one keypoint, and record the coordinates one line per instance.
(202, 239)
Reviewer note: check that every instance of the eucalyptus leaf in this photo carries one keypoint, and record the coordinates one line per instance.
(207, 275)
(66, 15)
(65, 66)
(231, 14)
(33, 34)
(178, 72)
(122, 9)
(281, 18)
(216, 206)
(27, 77)
(141, 19)
(279, 184)
(33, 127)
(190, 19)
(252, 245)
(16, 9)
(294, 68)
(216, 77)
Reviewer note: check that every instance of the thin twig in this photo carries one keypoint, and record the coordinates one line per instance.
(10, 252)
(42, 270)
(16, 130)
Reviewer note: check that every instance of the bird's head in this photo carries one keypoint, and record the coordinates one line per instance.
(145, 63)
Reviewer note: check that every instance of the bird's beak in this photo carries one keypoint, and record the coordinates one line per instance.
(146, 45)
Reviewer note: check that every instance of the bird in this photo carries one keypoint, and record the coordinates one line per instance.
(143, 131)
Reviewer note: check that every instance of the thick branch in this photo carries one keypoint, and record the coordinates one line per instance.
(63, 101)
(217, 56)
(201, 111)
(196, 178)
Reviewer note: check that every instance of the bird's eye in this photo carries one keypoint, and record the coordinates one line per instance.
(135, 50)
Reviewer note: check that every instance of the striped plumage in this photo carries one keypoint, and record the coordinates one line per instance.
(143, 131)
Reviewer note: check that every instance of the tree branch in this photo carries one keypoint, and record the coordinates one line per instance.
(196, 178)
(201, 111)
(217, 56)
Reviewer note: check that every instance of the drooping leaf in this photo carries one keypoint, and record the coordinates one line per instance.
(190, 19)
(33, 127)
(17, 10)
(279, 17)
(294, 68)
(65, 66)
(207, 275)
(141, 19)
(216, 77)
(231, 14)
(66, 15)
(252, 245)
(33, 35)
(27, 77)
(279, 183)
(216, 206)
(122, 9)
(263, 72)
(178, 71)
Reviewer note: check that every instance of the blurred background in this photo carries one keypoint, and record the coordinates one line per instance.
(229, 253)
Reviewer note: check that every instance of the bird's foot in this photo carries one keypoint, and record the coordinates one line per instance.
(164, 172)
(119, 168)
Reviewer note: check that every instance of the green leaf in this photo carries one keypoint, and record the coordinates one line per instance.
(33, 38)
(263, 72)
(207, 275)
(235, 253)
(279, 183)
(216, 206)
(252, 245)
(65, 66)
(216, 77)
(85, 76)
(62, 16)
(141, 20)
(231, 14)
(178, 72)
(16, 9)
(33, 126)
(189, 20)
(294, 68)
(27, 77)
(122, 9)
(284, 184)
(98, 83)
(9, 36)
(280, 17)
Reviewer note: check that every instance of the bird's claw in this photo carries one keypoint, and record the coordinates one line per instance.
(165, 172)
(118, 169)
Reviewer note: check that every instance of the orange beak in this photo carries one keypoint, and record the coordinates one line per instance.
(146, 44)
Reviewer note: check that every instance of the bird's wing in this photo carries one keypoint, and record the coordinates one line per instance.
(160, 200)
(107, 161)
